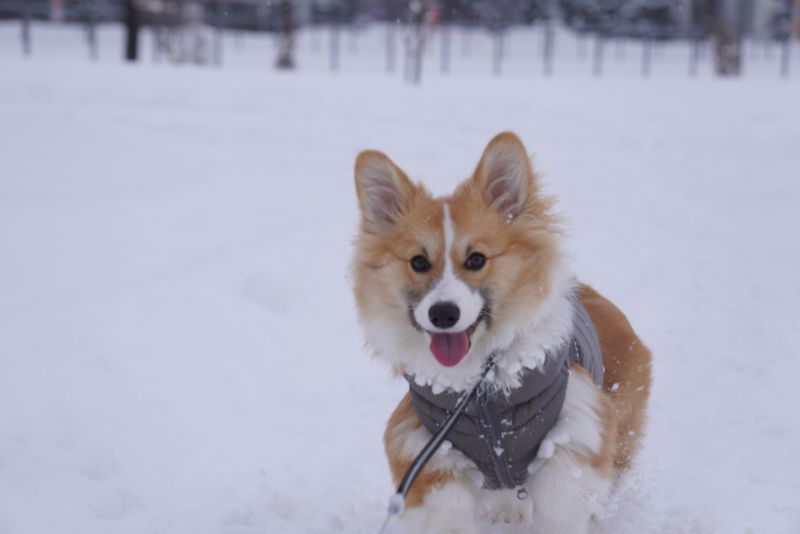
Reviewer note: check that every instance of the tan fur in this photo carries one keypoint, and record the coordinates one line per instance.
(603, 460)
(627, 363)
(403, 421)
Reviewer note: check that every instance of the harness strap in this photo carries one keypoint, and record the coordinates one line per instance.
(397, 500)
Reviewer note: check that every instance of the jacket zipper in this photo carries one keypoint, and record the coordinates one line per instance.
(491, 436)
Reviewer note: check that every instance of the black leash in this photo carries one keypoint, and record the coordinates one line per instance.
(397, 500)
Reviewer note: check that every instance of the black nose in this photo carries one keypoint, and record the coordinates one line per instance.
(444, 314)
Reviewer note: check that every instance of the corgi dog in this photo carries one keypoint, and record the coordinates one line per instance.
(443, 284)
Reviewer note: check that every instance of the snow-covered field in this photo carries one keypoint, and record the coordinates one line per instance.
(179, 351)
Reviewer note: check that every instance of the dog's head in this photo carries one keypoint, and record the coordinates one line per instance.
(442, 282)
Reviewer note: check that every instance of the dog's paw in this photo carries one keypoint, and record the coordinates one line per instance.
(504, 507)
(508, 516)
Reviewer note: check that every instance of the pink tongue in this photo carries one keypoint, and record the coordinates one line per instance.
(449, 349)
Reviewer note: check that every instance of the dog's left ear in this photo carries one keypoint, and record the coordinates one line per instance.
(505, 176)
(384, 191)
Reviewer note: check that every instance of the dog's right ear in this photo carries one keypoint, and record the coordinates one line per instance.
(505, 176)
(384, 191)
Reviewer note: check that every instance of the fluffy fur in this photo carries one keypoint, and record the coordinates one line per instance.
(517, 303)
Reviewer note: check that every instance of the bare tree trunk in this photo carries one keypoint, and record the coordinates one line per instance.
(727, 50)
(132, 24)
(415, 42)
(647, 56)
(548, 48)
(26, 29)
(91, 28)
(694, 57)
(794, 29)
(219, 17)
(285, 59)
(444, 35)
(727, 38)
(391, 47)
(598, 55)
(786, 56)
(498, 52)
(334, 47)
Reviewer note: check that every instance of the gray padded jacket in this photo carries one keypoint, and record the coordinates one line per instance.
(502, 433)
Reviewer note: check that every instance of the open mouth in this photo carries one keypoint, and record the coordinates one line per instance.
(450, 348)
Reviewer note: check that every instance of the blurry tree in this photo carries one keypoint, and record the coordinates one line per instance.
(796, 18)
(26, 29)
(415, 40)
(726, 28)
(783, 23)
(132, 24)
(780, 21)
(90, 19)
(286, 29)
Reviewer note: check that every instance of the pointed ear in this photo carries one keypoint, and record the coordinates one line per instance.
(384, 191)
(504, 174)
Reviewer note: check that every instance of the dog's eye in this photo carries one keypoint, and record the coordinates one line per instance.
(420, 264)
(475, 262)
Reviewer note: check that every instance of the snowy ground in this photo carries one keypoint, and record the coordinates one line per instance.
(179, 351)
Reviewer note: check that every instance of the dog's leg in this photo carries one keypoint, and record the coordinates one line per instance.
(628, 364)
(442, 499)
(574, 473)
(446, 509)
